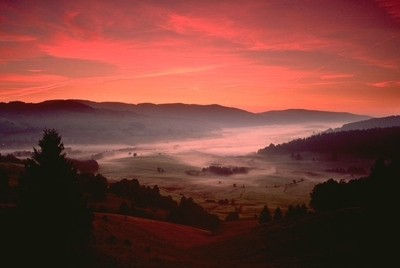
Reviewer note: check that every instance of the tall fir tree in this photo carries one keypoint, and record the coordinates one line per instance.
(57, 220)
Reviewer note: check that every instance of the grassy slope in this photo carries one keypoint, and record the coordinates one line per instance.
(346, 238)
(134, 242)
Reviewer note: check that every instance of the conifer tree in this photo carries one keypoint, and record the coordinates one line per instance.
(51, 203)
(265, 215)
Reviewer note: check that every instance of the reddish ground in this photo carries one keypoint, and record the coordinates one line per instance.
(124, 241)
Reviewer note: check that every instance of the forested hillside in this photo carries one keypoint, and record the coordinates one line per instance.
(378, 142)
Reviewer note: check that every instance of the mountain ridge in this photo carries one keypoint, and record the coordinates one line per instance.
(83, 121)
(79, 103)
(382, 122)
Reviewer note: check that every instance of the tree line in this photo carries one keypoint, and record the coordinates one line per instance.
(379, 190)
(378, 142)
(141, 197)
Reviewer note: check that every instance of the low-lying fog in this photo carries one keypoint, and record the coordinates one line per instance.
(269, 180)
(228, 142)
(272, 180)
(239, 141)
(231, 142)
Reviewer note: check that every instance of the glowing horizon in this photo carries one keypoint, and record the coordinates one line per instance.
(253, 55)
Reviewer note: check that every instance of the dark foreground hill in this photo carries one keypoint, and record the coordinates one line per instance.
(344, 238)
(86, 122)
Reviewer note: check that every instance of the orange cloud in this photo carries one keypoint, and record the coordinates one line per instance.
(252, 54)
(385, 84)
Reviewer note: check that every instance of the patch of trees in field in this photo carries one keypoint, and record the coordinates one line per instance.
(188, 212)
(350, 170)
(378, 142)
(141, 197)
(293, 212)
(225, 171)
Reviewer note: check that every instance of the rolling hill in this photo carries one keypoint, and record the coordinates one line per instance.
(376, 142)
(383, 122)
(293, 116)
(344, 238)
(87, 122)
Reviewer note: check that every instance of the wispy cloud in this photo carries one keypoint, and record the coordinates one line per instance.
(242, 53)
(385, 84)
(336, 76)
(68, 67)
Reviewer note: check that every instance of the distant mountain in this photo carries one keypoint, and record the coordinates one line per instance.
(293, 116)
(229, 116)
(82, 121)
(390, 121)
(43, 107)
(210, 114)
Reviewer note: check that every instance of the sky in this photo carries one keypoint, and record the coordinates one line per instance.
(257, 55)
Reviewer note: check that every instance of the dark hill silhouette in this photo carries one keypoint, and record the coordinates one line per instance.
(228, 115)
(390, 121)
(216, 115)
(43, 107)
(293, 116)
(377, 142)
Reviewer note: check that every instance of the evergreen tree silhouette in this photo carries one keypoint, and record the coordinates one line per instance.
(278, 214)
(265, 215)
(57, 220)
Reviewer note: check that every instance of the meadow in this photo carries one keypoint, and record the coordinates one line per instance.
(273, 180)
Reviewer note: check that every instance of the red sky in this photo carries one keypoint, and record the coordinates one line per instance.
(256, 55)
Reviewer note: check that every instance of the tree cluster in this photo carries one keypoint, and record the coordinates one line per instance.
(225, 171)
(378, 189)
(190, 213)
(141, 197)
(292, 212)
(296, 211)
(10, 158)
(94, 185)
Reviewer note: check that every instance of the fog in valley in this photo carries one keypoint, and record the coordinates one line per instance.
(215, 173)
(207, 152)
(227, 142)
(167, 163)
